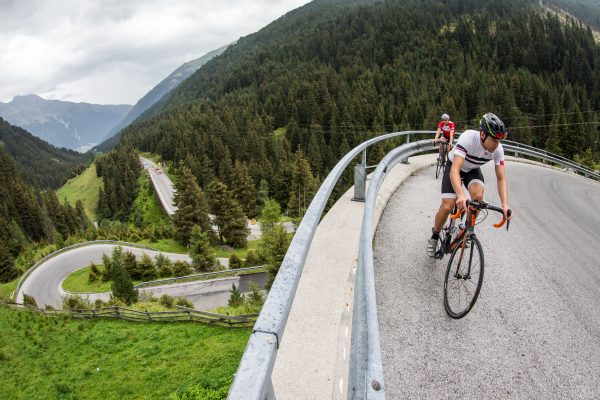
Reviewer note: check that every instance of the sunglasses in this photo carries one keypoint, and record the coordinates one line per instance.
(500, 135)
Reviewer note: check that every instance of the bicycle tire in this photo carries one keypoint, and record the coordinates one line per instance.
(455, 311)
(441, 162)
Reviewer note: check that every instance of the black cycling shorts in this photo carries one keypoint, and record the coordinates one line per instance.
(468, 178)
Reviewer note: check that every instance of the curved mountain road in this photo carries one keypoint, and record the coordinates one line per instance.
(535, 330)
(162, 184)
(45, 282)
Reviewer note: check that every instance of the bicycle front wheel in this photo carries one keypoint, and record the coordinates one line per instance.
(464, 278)
(439, 167)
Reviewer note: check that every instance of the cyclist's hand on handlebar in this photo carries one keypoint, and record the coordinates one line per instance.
(507, 212)
(461, 202)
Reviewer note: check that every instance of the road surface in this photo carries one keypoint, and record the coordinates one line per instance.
(45, 282)
(535, 329)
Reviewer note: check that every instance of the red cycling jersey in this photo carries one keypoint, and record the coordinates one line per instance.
(446, 128)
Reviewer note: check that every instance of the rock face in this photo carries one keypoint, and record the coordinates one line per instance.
(76, 126)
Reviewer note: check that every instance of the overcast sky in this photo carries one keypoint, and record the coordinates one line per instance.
(115, 51)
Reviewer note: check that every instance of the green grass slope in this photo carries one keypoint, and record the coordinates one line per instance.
(83, 187)
(58, 358)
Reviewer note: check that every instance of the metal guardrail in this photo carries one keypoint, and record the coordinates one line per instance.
(520, 148)
(64, 249)
(365, 379)
(192, 277)
(253, 377)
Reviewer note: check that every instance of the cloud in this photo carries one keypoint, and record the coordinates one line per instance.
(113, 52)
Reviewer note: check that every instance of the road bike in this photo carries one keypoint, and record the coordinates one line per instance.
(442, 159)
(464, 275)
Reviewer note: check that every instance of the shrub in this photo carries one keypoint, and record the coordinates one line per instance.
(165, 271)
(29, 300)
(167, 300)
(181, 268)
(76, 302)
(92, 277)
(255, 298)
(252, 259)
(183, 302)
(235, 262)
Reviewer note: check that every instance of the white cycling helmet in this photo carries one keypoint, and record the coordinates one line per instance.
(445, 117)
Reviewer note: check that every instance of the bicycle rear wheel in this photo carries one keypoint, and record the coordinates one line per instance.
(464, 278)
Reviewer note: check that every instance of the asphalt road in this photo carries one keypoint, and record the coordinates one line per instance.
(162, 184)
(535, 329)
(45, 283)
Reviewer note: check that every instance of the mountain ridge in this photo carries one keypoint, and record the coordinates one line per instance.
(41, 164)
(156, 94)
(63, 123)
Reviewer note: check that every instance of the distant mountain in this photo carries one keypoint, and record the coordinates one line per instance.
(41, 164)
(76, 126)
(157, 93)
(587, 11)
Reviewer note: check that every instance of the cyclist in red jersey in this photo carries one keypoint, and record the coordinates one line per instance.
(445, 127)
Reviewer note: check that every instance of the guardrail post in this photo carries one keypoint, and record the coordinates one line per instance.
(360, 178)
(405, 159)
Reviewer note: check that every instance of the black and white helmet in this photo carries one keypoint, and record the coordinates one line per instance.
(493, 126)
(445, 117)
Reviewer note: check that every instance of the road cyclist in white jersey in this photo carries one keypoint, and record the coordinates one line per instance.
(473, 149)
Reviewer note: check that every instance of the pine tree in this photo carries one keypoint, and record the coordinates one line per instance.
(243, 189)
(8, 271)
(273, 245)
(131, 266)
(147, 268)
(270, 215)
(192, 208)
(236, 298)
(303, 186)
(262, 194)
(106, 272)
(203, 259)
(121, 286)
(235, 229)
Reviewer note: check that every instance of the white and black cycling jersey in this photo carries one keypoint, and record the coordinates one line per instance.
(470, 148)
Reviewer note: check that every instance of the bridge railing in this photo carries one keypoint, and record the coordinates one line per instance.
(253, 377)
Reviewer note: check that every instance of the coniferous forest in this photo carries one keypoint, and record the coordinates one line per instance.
(40, 163)
(324, 78)
(29, 215)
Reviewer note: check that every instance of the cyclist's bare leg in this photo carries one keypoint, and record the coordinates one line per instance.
(476, 190)
(442, 215)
